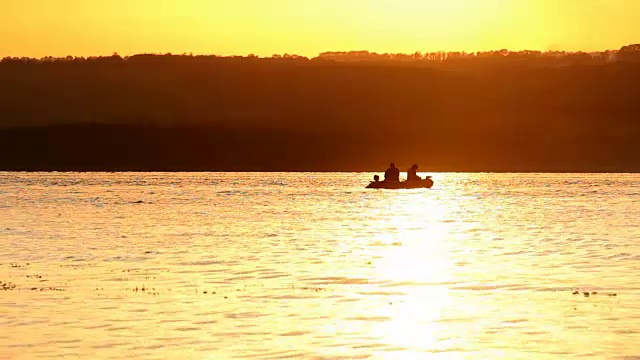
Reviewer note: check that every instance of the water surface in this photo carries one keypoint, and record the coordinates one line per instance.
(272, 266)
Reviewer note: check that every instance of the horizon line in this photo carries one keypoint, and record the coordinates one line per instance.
(253, 55)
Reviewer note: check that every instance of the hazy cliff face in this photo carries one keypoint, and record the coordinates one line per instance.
(322, 115)
(306, 94)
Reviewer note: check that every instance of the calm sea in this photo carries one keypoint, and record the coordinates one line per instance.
(308, 265)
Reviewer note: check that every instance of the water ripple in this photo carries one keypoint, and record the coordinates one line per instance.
(275, 266)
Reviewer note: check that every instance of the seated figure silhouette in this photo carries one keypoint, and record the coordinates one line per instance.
(392, 173)
(412, 173)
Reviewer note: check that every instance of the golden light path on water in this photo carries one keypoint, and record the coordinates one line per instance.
(269, 266)
(415, 262)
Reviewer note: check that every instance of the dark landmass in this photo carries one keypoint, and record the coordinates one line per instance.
(495, 111)
(100, 147)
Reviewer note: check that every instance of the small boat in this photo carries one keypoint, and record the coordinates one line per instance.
(425, 183)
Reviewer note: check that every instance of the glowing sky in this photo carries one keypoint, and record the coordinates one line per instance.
(307, 27)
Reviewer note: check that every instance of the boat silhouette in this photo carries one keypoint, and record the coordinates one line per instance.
(425, 183)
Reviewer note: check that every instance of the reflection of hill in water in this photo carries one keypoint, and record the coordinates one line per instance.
(492, 111)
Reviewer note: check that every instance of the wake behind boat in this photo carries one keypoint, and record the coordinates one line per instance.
(426, 183)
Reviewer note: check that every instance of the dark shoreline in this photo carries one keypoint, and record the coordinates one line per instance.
(309, 172)
(116, 148)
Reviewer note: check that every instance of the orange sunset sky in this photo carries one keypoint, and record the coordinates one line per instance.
(39, 28)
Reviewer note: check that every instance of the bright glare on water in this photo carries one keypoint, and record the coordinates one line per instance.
(269, 266)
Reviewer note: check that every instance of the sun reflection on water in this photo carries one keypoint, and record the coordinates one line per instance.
(417, 235)
(416, 264)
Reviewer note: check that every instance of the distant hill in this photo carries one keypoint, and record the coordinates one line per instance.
(496, 111)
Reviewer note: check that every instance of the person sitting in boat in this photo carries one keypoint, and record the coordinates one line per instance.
(392, 173)
(376, 178)
(412, 173)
